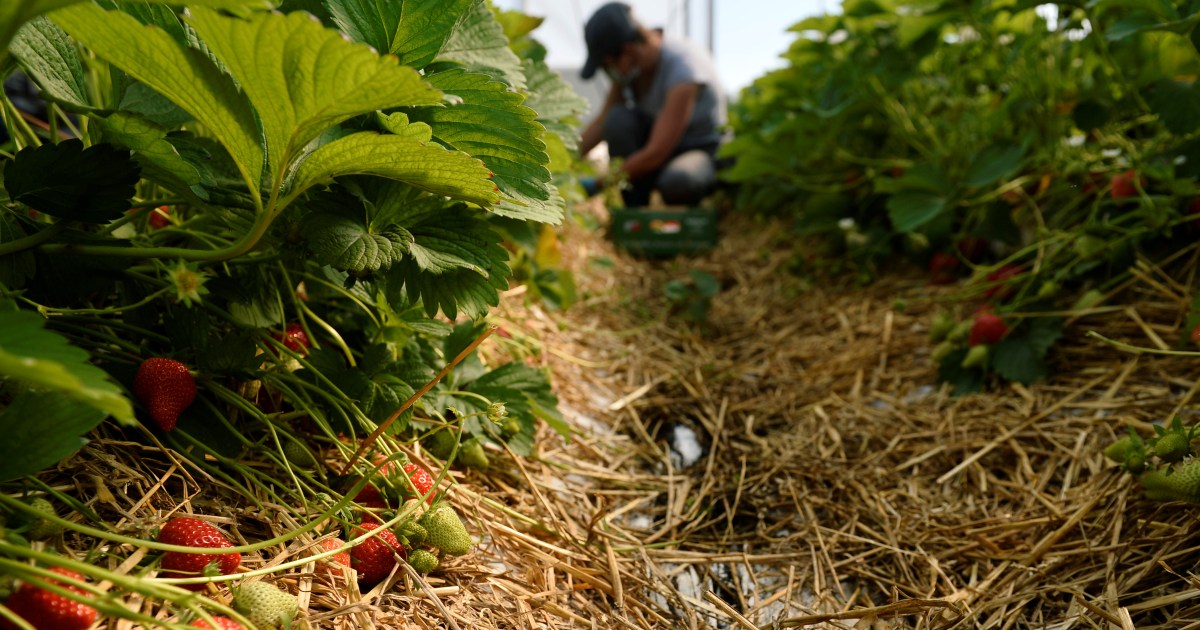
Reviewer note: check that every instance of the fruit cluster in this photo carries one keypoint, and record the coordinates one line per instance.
(435, 529)
(1164, 464)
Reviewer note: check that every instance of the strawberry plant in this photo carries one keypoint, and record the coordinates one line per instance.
(246, 233)
(359, 205)
(1068, 144)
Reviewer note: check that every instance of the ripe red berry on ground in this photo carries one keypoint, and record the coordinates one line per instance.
(193, 532)
(374, 558)
(46, 610)
(988, 328)
(166, 388)
(331, 563)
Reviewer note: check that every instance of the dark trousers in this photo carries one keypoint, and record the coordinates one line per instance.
(684, 180)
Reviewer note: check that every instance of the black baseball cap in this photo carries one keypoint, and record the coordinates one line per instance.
(610, 27)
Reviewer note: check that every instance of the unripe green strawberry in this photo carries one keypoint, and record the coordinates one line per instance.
(1121, 449)
(510, 428)
(446, 530)
(8, 584)
(422, 561)
(976, 356)
(1135, 463)
(40, 528)
(1172, 446)
(471, 454)
(298, 454)
(960, 332)
(1182, 483)
(943, 324)
(412, 533)
(265, 605)
(941, 351)
(440, 444)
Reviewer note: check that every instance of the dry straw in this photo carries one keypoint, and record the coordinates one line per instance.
(838, 486)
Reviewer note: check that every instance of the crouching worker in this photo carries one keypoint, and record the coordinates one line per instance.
(665, 113)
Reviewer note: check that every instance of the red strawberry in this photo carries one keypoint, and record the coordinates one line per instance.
(166, 388)
(46, 610)
(193, 532)
(422, 480)
(988, 328)
(1125, 184)
(223, 623)
(942, 268)
(294, 338)
(998, 285)
(330, 562)
(1195, 334)
(158, 217)
(374, 558)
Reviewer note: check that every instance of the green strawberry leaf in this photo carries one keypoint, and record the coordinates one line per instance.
(993, 164)
(963, 380)
(49, 57)
(1017, 360)
(1042, 333)
(185, 76)
(527, 396)
(406, 158)
(159, 159)
(413, 30)
(489, 122)
(303, 78)
(68, 181)
(1176, 103)
(339, 236)
(557, 105)
(478, 42)
(231, 354)
(28, 446)
(42, 359)
(139, 99)
(912, 209)
(455, 263)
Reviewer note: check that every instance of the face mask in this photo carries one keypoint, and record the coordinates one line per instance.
(625, 79)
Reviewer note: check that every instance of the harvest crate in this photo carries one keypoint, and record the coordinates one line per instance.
(664, 232)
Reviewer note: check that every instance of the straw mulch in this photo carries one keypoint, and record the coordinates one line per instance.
(838, 485)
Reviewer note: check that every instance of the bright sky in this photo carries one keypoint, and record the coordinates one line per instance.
(749, 35)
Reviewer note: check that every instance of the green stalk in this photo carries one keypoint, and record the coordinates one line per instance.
(33, 240)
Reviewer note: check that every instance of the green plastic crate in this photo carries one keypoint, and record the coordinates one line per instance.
(663, 232)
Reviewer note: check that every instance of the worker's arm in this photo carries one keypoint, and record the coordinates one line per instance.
(595, 130)
(668, 129)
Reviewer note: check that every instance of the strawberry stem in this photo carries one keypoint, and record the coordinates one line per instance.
(415, 397)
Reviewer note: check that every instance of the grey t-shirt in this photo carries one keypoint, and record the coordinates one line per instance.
(685, 62)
